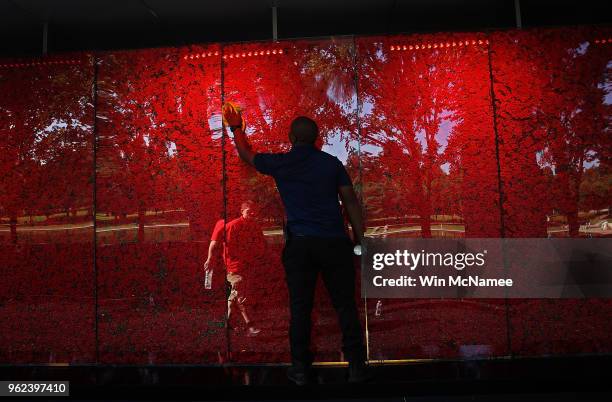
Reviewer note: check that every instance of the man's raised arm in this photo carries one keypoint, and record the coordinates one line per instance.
(234, 121)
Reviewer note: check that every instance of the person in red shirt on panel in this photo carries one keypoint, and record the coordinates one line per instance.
(243, 246)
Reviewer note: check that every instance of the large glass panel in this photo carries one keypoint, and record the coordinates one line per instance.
(553, 94)
(159, 194)
(46, 203)
(429, 169)
(274, 83)
(422, 151)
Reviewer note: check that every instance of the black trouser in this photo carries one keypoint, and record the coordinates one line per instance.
(303, 257)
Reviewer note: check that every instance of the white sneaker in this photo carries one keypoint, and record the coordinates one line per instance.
(252, 331)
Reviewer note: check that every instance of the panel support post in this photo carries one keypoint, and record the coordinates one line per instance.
(517, 13)
(45, 35)
(274, 23)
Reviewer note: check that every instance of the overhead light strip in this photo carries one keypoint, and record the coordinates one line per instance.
(200, 55)
(40, 63)
(235, 55)
(439, 45)
(268, 52)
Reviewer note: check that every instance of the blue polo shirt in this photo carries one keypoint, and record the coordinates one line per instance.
(308, 180)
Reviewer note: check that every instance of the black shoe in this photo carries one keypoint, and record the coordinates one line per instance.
(299, 374)
(360, 372)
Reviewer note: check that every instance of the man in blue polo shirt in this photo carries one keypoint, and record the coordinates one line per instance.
(309, 182)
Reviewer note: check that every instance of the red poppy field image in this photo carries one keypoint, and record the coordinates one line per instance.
(131, 231)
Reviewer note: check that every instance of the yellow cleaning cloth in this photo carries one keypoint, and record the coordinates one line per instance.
(227, 106)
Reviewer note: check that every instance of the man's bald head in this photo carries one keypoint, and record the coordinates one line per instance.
(303, 131)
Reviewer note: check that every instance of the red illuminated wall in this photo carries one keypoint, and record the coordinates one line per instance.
(106, 222)
(159, 193)
(553, 96)
(47, 273)
(429, 170)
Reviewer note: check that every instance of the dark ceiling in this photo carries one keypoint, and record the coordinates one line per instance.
(115, 24)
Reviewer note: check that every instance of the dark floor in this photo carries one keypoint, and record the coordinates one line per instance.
(583, 378)
(564, 396)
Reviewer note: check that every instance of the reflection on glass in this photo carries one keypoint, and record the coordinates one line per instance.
(554, 122)
(429, 170)
(244, 245)
(555, 151)
(159, 193)
(46, 204)
(427, 153)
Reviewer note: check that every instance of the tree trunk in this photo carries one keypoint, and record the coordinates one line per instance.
(141, 219)
(13, 223)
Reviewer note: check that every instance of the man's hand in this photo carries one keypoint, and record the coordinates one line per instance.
(232, 115)
(211, 249)
(353, 209)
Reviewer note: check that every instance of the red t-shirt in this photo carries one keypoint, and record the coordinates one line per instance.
(244, 245)
(218, 233)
